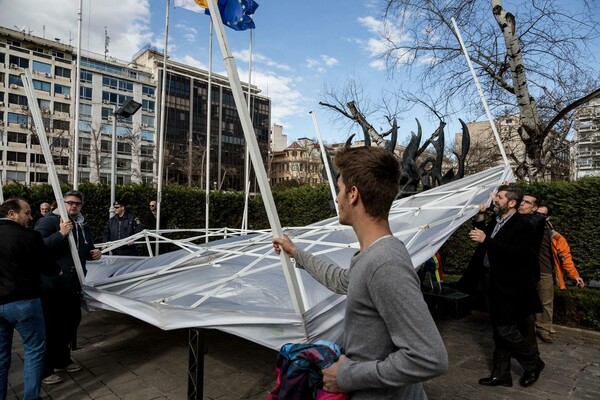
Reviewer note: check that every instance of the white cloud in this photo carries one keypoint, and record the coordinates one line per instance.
(244, 55)
(376, 45)
(189, 33)
(127, 22)
(322, 63)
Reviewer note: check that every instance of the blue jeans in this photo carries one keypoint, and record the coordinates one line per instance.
(27, 318)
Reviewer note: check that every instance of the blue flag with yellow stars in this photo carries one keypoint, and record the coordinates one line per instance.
(236, 14)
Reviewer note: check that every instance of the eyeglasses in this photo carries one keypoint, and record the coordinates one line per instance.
(73, 203)
(152, 206)
(527, 202)
(115, 207)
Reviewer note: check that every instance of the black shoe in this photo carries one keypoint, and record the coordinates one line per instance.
(531, 377)
(505, 380)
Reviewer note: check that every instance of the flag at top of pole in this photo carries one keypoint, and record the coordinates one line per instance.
(236, 14)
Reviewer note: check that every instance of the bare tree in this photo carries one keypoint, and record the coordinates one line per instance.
(534, 61)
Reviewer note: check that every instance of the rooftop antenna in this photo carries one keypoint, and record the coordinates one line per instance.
(106, 42)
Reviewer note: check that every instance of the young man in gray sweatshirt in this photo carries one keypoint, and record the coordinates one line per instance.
(391, 343)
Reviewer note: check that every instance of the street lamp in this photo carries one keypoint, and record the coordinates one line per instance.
(128, 108)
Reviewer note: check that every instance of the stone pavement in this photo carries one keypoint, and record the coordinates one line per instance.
(124, 358)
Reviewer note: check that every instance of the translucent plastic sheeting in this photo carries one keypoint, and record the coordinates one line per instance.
(237, 284)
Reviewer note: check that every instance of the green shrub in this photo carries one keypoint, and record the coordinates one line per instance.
(579, 308)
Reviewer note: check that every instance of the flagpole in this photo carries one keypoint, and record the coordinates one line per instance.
(208, 127)
(77, 101)
(292, 277)
(161, 138)
(247, 157)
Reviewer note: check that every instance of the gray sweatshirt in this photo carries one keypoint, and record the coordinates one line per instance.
(390, 339)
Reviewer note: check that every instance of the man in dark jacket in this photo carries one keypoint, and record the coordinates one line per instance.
(22, 257)
(504, 258)
(122, 225)
(62, 295)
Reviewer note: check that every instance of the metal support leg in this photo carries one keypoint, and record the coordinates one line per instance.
(197, 349)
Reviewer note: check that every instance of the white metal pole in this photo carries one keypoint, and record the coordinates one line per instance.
(77, 100)
(113, 167)
(163, 98)
(52, 175)
(247, 152)
(208, 128)
(292, 276)
(325, 163)
(483, 100)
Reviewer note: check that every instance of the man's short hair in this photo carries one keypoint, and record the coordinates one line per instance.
(14, 204)
(375, 172)
(536, 202)
(512, 193)
(75, 193)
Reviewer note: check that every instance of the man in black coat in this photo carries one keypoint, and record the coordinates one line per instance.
(22, 257)
(122, 225)
(61, 299)
(504, 258)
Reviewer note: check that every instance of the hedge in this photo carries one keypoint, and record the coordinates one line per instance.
(575, 206)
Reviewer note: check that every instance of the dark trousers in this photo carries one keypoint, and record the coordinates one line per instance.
(62, 314)
(515, 340)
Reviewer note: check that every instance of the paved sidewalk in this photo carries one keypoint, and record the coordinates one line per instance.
(124, 358)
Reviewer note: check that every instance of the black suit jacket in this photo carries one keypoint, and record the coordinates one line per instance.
(512, 291)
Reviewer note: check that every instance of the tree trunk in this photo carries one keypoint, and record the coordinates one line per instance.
(529, 130)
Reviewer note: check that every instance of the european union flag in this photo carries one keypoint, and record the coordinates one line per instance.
(236, 14)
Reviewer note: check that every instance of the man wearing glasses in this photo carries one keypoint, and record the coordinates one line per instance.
(61, 296)
(528, 208)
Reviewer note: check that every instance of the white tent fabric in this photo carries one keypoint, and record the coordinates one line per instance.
(237, 284)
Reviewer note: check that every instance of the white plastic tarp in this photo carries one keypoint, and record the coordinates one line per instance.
(237, 284)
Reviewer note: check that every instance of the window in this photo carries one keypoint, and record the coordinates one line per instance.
(85, 76)
(61, 71)
(17, 99)
(106, 112)
(85, 110)
(148, 91)
(61, 160)
(118, 84)
(124, 148)
(114, 98)
(62, 107)
(83, 160)
(60, 89)
(147, 151)
(123, 165)
(44, 105)
(18, 176)
(61, 125)
(16, 156)
(85, 144)
(41, 67)
(14, 118)
(58, 54)
(147, 135)
(148, 105)
(85, 126)
(16, 137)
(60, 142)
(15, 80)
(40, 85)
(19, 61)
(147, 166)
(147, 120)
(105, 145)
(85, 93)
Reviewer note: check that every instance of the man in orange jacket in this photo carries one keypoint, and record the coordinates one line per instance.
(555, 261)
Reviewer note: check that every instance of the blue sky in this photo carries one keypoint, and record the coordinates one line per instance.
(298, 47)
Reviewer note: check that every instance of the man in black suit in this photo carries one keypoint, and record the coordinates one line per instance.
(504, 257)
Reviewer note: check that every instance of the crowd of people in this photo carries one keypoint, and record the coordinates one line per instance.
(40, 291)
(384, 353)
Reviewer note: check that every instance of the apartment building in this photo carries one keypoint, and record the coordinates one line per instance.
(586, 151)
(106, 84)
